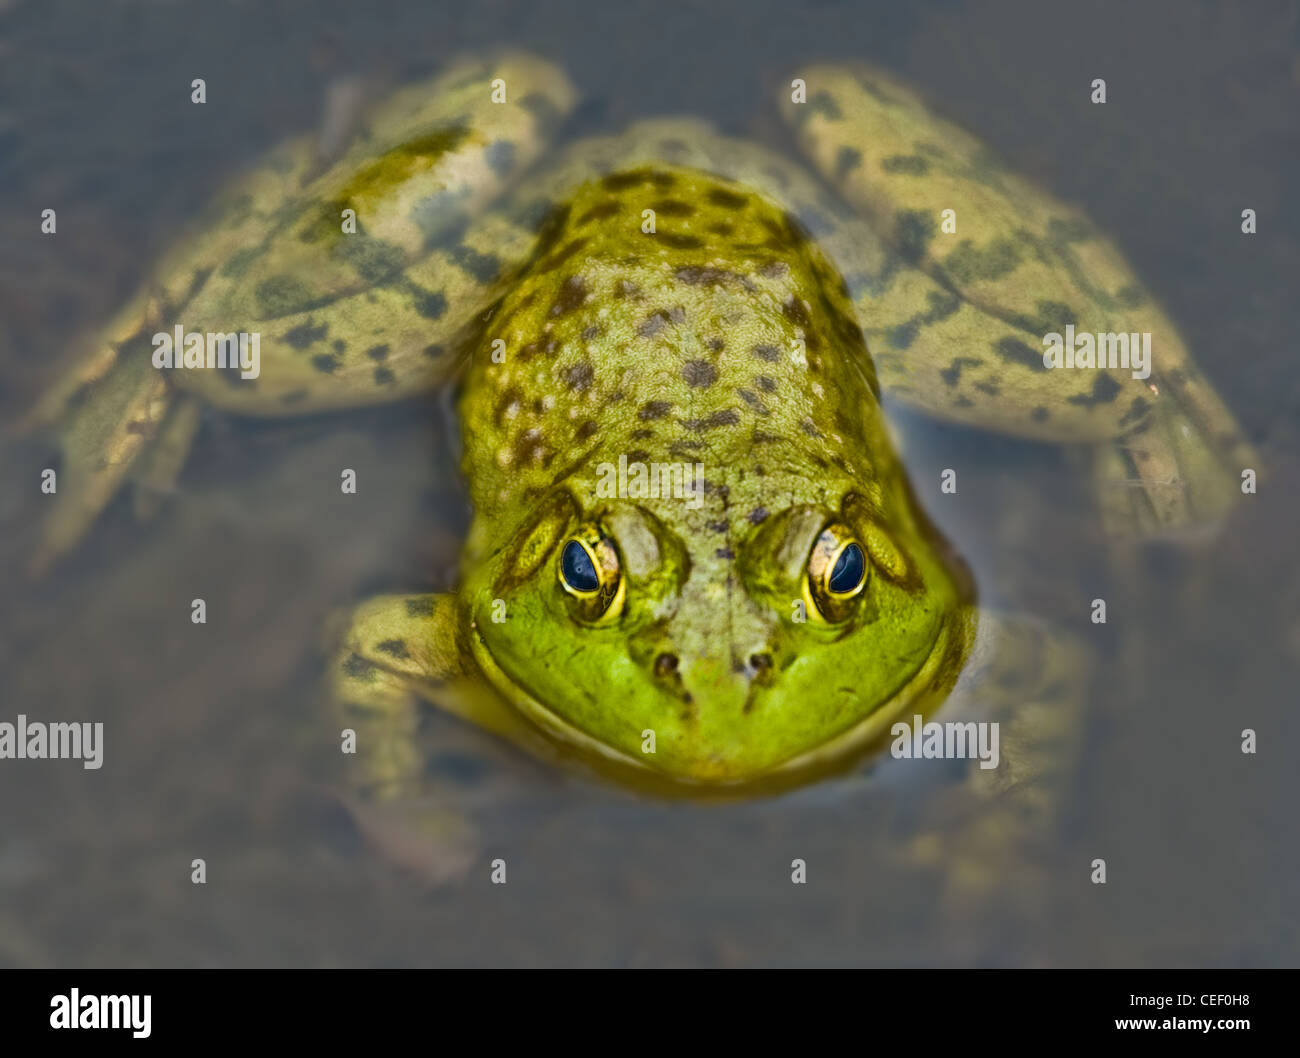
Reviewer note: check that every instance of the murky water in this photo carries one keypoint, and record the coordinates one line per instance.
(217, 741)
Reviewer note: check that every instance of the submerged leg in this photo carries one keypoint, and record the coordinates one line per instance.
(395, 654)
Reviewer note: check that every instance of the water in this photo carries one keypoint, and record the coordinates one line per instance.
(217, 743)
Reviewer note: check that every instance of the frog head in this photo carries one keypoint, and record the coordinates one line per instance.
(715, 648)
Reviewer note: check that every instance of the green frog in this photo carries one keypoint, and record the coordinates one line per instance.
(696, 564)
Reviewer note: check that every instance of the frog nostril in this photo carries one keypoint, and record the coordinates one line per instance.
(760, 663)
(665, 665)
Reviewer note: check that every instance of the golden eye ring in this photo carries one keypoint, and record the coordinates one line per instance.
(590, 573)
(838, 573)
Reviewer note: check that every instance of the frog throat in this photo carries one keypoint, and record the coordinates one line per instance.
(923, 689)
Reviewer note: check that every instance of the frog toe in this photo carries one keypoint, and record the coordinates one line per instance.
(108, 424)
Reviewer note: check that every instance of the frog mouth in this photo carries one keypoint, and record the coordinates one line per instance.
(925, 688)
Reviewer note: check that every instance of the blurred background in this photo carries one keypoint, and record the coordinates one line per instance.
(217, 741)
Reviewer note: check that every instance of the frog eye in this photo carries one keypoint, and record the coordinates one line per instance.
(837, 573)
(590, 574)
(578, 569)
(849, 572)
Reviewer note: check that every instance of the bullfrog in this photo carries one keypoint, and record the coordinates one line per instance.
(696, 564)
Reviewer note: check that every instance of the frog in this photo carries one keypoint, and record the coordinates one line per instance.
(696, 565)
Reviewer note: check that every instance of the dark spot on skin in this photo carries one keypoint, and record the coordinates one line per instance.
(654, 409)
(969, 263)
(1136, 411)
(912, 164)
(594, 331)
(719, 527)
(848, 159)
(913, 232)
(625, 288)
(507, 405)
(377, 352)
(684, 450)
(431, 304)
(724, 553)
(681, 242)
(722, 228)
(653, 324)
(296, 396)
(796, 312)
(942, 305)
(531, 450)
(325, 362)
(1104, 390)
(665, 665)
(484, 267)
(561, 255)
(358, 668)
(807, 427)
(724, 199)
(340, 346)
(306, 335)
(394, 647)
(951, 375)
(824, 103)
(419, 607)
(374, 260)
(433, 351)
(699, 276)
(573, 292)
(638, 455)
(587, 429)
(774, 270)
(991, 388)
(383, 375)
(715, 344)
(725, 417)
(770, 353)
(600, 211)
(673, 208)
(962, 402)
(623, 181)
(757, 515)
(579, 376)
(752, 400)
(766, 384)
(641, 435)
(1016, 351)
(1040, 414)
(762, 437)
(699, 373)
(239, 262)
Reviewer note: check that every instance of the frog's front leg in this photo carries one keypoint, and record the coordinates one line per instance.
(971, 272)
(1025, 684)
(396, 655)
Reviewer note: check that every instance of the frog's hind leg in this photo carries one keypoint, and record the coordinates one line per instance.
(973, 274)
(392, 657)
